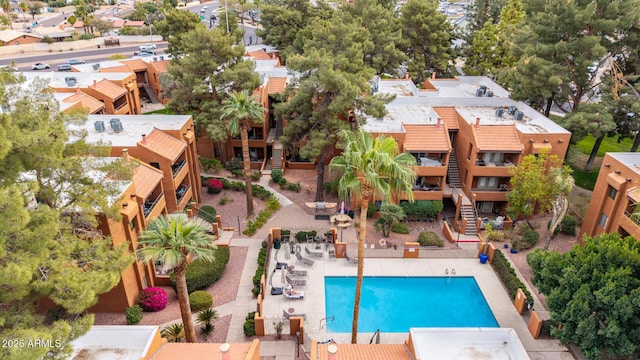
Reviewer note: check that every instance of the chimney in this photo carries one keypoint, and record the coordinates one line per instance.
(477, 122)
(433, 75)
(95, 83)
(406, 75)
(438, 123)
(224, 350)
(332, 352)
(78, 92)
(144, 138)
(125, 155)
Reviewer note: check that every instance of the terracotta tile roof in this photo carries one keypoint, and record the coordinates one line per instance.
(108, 88)
(497, 138)
(200, 351)
(133, 23)
(164, 144)
(276, 85)
(449, 115)
(427, 85)
(259, 55)
(117, 23)
(135, 64)
(119, 69)
(160, 66)
(146, 178)
(426, 138)
(366, 352)
(86, 101)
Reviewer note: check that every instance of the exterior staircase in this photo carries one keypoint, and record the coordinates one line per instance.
(279, 129)
(453, 174)
(277, 156)
(467, 211)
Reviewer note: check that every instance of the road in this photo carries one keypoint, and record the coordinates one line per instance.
(93, 55)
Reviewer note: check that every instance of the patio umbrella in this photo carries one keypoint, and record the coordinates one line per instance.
(342, 211)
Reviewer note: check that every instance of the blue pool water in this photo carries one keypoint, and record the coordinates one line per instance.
(395, 304)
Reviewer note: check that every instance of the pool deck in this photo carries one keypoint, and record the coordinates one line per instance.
(313, 305)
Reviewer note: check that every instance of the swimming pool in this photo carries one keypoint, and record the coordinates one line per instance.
(395, 304)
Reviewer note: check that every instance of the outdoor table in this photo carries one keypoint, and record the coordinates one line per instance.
(317, 240)
(343, 218)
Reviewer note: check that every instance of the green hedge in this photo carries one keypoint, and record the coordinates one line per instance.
(262, 255)
(508, 276)
(420, 210)
(429, 238)
(201, 274)
(207, 213)
(133, 314)
(249, 325)
(200, 300)
(301, 236)
(276, 175)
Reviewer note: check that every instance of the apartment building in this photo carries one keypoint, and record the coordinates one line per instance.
(118, 92)
(614, 197)
(466, 135)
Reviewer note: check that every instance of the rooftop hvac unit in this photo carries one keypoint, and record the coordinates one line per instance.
(116, 125)
(71, 81)
(155, 59)
(519, 115)
(99, 126)
(483, 87)
(489, 93)
(512, 110)
(499, 112)
(96, 66)
(480, 92)
(161, 57)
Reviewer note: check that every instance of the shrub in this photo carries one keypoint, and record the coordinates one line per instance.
(173, 333)
(282, 182)
(256, 175)
(214, 186)
(207, 213)
(260, 192)
(301, 236)
(133, 314)
(528, 240)
(429, 238)
(47, 40)
(86, 37)
(399, 228)
(331, 187)
(422, 209)
(508, 276)
(276, 175)
(234, 164)
(153, 299)
(201, 274)
(371, 210)
(205, 317)
(272, 204)
(237, 186)
(200, 300)
(224, 199)
(294, 186)
(210, 164)
(568, 225)
(249, 325)
(237, 172)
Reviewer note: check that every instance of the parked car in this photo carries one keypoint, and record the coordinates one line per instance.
(64, 67)
(147, 47)
(203, 10)
(40, 66)
(74, 62)
(144, 53)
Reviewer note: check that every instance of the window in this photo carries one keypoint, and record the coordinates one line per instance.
(603, 220)
(612, 192)
(470, 151)
(487, 182)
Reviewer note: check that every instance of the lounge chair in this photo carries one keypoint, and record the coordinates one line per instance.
(296, 282)
(350, 260)
(287, 315)
(332, 253)
(313, 253)
(303, 259)
(291, 293)
(296, 272)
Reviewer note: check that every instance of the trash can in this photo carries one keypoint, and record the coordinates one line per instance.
(276, 243)
(351, 214)
(98, 46)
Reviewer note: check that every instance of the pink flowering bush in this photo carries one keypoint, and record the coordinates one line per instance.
(153, 299)
(214, 186)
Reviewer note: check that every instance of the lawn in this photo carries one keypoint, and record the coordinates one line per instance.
(584, 179)
(609, 144)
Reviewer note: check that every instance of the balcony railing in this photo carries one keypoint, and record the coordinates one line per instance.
(148, 206)
(502, 187)
(175, 168)
(634, 218)
(182, 190)
(481, 162)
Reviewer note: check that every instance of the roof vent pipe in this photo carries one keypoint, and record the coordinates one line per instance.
(477, 122)
(225, 351)
(144, 138)
(332, 352)
(438, 123)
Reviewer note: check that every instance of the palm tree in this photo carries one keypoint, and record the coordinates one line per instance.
(174, 333)
(6, 7)
(241, 110)
(173, 241)
(23, 8)
(389, 215)
(371, 168)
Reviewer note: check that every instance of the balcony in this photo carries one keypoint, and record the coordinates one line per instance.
(175, 168)
(149, 205)
(181, 192)
(483, 168)
(491, 194)
(631, 224)
(634, 219)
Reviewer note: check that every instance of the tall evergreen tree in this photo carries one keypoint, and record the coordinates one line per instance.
(43, 252)
(427, 40)
(590, 119)
(331, 91)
